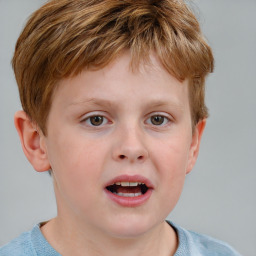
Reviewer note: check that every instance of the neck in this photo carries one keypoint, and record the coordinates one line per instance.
(78, 240)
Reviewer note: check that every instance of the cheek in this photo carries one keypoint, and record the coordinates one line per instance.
(171, 156)
(76, 165)
(70, 154)
(171, 160)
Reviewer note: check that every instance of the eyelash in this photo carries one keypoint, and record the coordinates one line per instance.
(89, 120)
(104, 120)
(165, 120)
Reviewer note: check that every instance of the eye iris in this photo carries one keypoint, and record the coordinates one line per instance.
(157, 120)
(96, 120)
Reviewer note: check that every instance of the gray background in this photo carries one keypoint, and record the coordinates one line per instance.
(219, 195)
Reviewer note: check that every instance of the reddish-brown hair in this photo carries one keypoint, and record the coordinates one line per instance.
(64, 37)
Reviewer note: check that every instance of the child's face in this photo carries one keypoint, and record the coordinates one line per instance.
(114, 125)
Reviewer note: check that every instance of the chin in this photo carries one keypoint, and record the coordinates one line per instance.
(130, 228)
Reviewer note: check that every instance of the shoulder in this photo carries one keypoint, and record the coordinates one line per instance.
(21, 246)
(30, 243)
(192, 243)
(208, 244)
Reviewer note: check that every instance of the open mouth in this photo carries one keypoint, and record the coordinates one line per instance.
(128, 189)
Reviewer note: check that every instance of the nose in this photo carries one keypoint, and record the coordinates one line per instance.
(130, 146)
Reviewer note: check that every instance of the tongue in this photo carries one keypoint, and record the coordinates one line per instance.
(128, 189)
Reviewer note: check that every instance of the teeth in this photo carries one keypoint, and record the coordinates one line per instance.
(128, 194)
(133, 184)
(128, 184)
(124, 184)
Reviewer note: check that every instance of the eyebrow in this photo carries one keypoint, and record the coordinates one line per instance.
(165, 102)
(153, 103)
(93, 101)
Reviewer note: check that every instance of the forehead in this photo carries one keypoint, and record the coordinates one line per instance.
(120, 80)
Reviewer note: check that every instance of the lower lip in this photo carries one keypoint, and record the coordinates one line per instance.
(129, 201)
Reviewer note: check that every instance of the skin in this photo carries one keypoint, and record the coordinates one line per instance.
(84, 157)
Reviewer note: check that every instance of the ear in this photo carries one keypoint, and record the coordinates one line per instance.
(195, 144)
(32, 142)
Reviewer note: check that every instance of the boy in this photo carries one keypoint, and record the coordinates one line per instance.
(113, 100)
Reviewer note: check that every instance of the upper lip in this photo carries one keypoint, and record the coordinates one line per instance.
(130, 178)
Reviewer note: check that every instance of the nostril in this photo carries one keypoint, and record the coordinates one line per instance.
(123, 157)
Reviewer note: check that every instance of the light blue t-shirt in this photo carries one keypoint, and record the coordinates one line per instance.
(33, 243)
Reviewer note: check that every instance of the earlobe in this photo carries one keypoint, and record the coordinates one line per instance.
(195, 144)
(32, 142)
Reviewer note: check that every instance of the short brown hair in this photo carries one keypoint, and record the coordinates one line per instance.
(64, 37)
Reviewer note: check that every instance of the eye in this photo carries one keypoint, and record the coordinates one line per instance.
(158, 120)
(96, 120)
